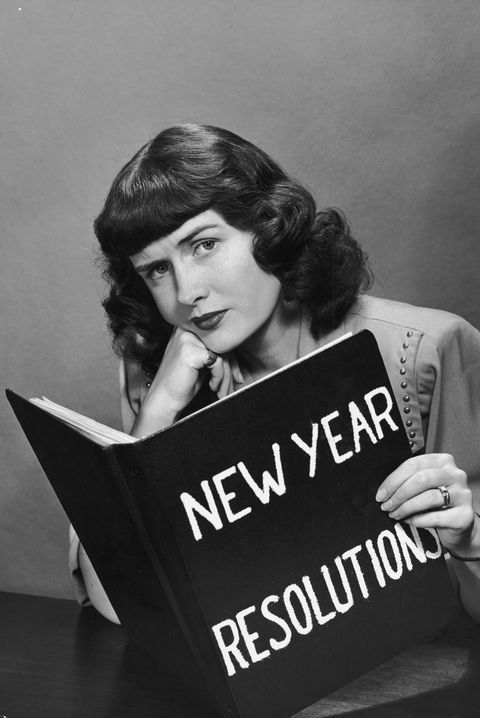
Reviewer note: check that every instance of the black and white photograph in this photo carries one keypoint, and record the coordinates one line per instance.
(240, 357)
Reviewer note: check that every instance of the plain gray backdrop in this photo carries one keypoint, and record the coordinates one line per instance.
(374, 104)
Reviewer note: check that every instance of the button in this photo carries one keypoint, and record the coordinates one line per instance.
(408, 422)
(409, 334)
(405, 345)
(412, 434)
(412, 444)
(403, 371)
(406, 397)
(403, 360)
(404, 384)
(148, 384)
(406, 409)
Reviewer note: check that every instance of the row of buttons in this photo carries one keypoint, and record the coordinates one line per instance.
(406, 397)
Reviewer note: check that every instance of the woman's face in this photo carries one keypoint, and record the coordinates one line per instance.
(204, 279)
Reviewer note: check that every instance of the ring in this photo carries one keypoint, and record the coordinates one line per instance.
(212, 358)
(445, 496)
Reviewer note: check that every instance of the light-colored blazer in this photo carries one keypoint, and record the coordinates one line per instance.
(433, 362)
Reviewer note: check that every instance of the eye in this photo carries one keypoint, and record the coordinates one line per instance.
(206, 245)
(158, 270)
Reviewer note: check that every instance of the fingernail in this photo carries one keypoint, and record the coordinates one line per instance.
(386, 506)
(381, 494)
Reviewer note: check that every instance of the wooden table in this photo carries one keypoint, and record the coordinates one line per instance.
(59, 662)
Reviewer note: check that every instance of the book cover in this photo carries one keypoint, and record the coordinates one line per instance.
(244, 546)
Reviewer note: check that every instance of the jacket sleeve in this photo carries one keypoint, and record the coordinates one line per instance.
(454, 428)
(454, 421)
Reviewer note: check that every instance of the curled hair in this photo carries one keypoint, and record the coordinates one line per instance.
(188, 169)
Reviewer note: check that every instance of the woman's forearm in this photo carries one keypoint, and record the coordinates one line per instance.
(94, 588)
(149, 420)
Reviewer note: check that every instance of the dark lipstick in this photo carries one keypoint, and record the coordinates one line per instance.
(209, 321)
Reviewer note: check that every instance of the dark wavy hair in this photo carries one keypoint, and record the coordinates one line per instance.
(188, 169)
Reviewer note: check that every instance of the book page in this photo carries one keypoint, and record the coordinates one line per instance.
(98, 432)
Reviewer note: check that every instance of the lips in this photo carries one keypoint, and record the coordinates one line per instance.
(209, 321)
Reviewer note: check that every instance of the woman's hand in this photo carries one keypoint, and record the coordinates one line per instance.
(178, 380)
(412, 493)
(225, 374)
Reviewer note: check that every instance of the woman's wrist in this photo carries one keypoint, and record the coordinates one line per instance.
(152, 418)
(469, 549)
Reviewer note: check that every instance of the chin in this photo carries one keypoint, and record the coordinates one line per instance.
(221, 345)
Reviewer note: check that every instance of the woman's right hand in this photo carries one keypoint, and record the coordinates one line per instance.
(178, 379)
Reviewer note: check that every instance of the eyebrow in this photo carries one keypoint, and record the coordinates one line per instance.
(142, 268)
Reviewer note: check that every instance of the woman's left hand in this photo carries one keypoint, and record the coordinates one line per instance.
(412, 493)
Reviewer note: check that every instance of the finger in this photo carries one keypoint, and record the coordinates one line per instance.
(433, 500)
(407, 469)
(417, 484)
(453, 520)
(236, 371)
(226, 385)
(211, 358)
(217, 371)
(430, 500)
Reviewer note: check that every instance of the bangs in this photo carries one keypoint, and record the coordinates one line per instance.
(182, 172)
(144, 207)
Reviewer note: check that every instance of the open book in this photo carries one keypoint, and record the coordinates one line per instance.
(243, 546)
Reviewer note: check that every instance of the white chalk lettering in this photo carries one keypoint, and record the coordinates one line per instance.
(384, 415)
(334, 439)
(293, 589)
(232, 648)
(393, 572)
(342, 447)
(341, 607)
(227, 498)
(275, 643)
(439, 551)
(310, 449)
(269, 483)
(250, 638)
(320, 618)
(380, 576)
(352, 555)
(211, 513)
(359, 423)
(300, 602)
(409, 545)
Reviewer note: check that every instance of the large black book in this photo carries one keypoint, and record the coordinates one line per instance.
(243, 546)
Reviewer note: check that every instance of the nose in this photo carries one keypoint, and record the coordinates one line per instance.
(191, 287)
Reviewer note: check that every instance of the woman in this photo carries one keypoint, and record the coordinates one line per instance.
(221, 271)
